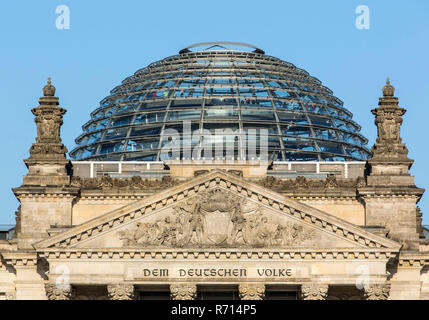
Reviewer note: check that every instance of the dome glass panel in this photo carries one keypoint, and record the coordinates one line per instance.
(221, 91)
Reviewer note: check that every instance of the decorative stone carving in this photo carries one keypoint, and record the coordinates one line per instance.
(301, 182)
(49, 89)
(379, 291)
(388, 119)
(215, 218)
(49, 118)
(120, 291)
(135, 182)
(330, 182)
(388, 89)
(183, 291)
(314, 291)
(58, 292)
(251, 291)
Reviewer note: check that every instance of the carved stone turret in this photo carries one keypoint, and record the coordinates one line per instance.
(389, 154)
(390, 195)
(46, 194)
(47, 163)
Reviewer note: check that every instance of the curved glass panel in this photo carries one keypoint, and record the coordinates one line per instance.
(229, 93)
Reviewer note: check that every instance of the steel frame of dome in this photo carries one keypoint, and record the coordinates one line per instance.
(220, 88)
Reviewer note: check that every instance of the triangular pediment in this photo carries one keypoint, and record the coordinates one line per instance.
(217, 210)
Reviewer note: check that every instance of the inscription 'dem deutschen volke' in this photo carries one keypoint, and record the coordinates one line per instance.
(217, 272)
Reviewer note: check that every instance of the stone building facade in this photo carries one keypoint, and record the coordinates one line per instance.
(196, 229)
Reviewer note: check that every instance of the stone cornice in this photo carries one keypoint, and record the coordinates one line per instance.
(85, 195)
(299, 211)
(20, 258)
(413, 259)
(304, 254)
(46, 192)
(399, 192)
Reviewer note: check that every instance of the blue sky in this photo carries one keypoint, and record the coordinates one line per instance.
(108, 41)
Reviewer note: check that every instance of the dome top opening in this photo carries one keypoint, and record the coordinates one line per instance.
(221, 45)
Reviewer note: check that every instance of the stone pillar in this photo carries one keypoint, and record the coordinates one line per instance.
(46, 194)
(314, 291)
(251, 291)
(29, 284)
(183, 291)
(58, 292)
(120, 291)
(390, 195)
(379, 291)
(408, 280)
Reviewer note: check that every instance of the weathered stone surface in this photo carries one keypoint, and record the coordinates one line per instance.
(183, 291)
(251, 291)
(377, 291)
(219, 224)
(55, 292)
(120, 291)
(314, 291)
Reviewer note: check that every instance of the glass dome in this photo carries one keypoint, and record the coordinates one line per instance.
(220, 88)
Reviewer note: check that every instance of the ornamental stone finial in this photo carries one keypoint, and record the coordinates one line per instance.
(388, 119)
(388, 171)
(48, 148)
(49, 89)
(388, 89)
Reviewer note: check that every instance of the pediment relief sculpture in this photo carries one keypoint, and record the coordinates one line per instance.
(216, 218)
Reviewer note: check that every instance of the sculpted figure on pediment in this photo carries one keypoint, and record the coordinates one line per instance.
(215, 218)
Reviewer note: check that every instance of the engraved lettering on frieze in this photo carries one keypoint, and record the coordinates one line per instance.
(215, 218)
(216, 272)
